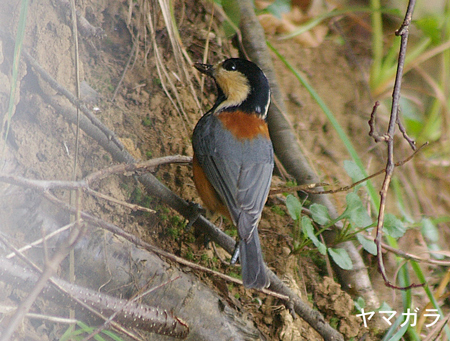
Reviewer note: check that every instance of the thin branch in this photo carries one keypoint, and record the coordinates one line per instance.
(372, 132)
(58, 285)
(83, 25)
(46, 185)
(402, 128)
(125, 69)
(111, 136)
(42, 187)
(403, 32)
(50, 268)
(133, 207)
(144, 166)
(410, 256)
(308, 188)
(40, 240)
(9, 309)
(41, 184)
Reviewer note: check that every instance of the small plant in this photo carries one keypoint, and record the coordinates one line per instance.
(136, 195)
(189, 255)
(232, 232)
(235, 275)
(84, 330)
(278, 210)
(204, 257)
(355, 220)
(147, 122)
(173, 233)
(304, 232)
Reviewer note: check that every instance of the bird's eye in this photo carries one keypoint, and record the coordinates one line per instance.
(229, 65)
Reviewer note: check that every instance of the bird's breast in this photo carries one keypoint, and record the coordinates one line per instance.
(244, 125)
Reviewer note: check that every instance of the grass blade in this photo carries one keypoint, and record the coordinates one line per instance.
(17, 52)
(342, 135)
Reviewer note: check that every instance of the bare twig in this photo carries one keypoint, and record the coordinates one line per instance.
(410, 256)
(50, 268)
(372, 132)
(309, 187)
(42, 187)
(77, 88)
(62, 90)
(125, 69)
(84, 26)
(10, 309)
(133, 207)
(144, 166)
(41, 184)
(58, 286)
(403, 32)
(402, 128)
(45, 238)
(46, 185)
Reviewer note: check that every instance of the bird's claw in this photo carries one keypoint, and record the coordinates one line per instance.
(235, 256)
(196, 211)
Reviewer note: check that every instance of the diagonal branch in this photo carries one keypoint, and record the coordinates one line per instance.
(50, 268)
(403, 32)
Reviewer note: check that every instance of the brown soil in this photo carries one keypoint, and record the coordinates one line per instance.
(41, 143)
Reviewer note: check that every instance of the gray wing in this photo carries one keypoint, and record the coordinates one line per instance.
(240, 171)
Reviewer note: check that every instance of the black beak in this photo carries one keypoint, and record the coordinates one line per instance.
(207, 69)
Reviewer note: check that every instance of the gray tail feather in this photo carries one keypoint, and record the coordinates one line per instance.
(253, 270)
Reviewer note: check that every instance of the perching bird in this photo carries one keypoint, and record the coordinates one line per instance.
(233, 156)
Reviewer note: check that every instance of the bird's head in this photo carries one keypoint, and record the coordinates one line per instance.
(241, 85)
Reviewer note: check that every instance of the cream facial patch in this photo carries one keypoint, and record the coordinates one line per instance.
(234, 85)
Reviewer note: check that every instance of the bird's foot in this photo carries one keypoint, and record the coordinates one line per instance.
(195, 211)
(235, 256)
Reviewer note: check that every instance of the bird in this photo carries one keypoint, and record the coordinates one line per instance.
(233, 157)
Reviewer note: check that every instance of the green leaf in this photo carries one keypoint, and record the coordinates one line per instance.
(353, 170)
(431, 27)
(435, 247)
(384, 307)
(294, 207)
(341, 258)
(413, 116)
(231, 8)
(320, 214)
(278, 7)
(112, 335)
(429, 230)
(356, 212)
(393, 226)
(308, 230)
(368, 245)
(360, 303)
